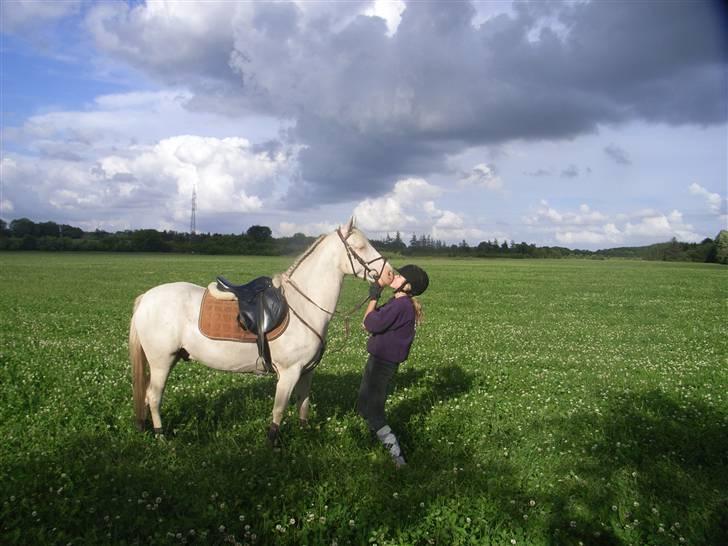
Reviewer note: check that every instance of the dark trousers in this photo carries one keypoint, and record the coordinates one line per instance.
(373, 391)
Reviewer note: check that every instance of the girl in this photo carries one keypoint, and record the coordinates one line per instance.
(392, 329)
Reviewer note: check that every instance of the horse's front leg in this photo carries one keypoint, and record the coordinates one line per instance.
(303, 391)
(287, 379)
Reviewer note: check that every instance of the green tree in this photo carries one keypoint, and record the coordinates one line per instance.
(47, 229)
(259, 234)
(22, 227)
(70, 231)
(398, 244)
(148, 240)
(721, 247)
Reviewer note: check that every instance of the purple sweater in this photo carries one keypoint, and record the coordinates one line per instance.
(392, 329)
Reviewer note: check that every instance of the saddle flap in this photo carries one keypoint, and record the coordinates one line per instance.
(273, 308)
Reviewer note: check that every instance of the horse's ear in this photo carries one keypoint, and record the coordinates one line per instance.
(348, 227)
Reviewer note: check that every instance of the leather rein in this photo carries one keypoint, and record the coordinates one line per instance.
(352, 255)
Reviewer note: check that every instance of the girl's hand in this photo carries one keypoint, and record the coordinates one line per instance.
(375, 290)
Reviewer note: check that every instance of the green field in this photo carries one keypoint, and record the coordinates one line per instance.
(545, 402)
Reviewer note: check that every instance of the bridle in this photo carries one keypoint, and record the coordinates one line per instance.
(352, 255)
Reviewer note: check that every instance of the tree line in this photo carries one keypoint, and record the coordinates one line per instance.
(24, 234)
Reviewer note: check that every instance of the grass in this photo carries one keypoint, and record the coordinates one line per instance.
(545, 402)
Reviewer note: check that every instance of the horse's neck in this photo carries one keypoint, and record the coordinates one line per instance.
(319, 278)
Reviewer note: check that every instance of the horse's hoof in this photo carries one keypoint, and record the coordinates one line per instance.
(159, 434)
(274, 436)
(304, 424)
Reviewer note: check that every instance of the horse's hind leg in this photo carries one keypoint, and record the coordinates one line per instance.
(287, 380)
(159, 369)
(302, 391)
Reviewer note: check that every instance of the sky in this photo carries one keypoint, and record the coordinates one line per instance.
(563, 123)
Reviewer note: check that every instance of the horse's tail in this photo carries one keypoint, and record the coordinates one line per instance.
(139, 371)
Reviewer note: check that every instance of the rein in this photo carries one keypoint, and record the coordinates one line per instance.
(351, 254)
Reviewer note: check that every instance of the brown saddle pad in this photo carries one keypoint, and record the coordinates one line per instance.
(219, 320)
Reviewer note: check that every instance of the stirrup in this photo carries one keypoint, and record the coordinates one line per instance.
(260, 366)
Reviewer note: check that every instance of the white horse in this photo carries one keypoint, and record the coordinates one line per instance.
(164, 326)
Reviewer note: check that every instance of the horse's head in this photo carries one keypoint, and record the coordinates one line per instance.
(360, 258)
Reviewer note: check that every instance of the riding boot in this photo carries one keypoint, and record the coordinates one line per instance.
(391, 444)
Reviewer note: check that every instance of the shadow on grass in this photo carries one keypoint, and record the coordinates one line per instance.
(332, 393)
(122, 487)
(652, 470)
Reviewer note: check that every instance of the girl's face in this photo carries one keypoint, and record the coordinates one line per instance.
(398, 282)
(387, 276)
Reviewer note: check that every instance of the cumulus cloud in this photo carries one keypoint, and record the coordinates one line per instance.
(390, 11)
(170, 39)
(411, 208)
(398, 210)
(484, 176)
(451, 226)
(593, 228)
(150, 183)
(713, 201)
(584, 216)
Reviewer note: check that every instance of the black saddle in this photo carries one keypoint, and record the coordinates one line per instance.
(262, 307)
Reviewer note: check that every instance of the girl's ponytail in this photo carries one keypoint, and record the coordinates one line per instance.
(419, 314)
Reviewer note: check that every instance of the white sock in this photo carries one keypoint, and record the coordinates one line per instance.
(387, 437)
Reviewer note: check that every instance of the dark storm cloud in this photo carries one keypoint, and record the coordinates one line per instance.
(369, 108)
(458, 85)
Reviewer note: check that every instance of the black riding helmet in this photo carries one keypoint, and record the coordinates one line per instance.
(416, 277)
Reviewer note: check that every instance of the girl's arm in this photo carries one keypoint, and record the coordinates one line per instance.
(371, 307)
(379, 320)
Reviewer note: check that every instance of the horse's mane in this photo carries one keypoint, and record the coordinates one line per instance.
(304, 255)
